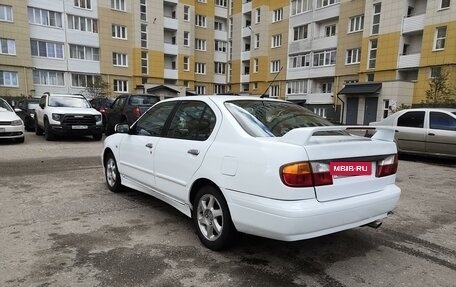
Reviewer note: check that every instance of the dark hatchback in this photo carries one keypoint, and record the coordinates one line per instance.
(102, 104)
(25, 109)
(127, 109)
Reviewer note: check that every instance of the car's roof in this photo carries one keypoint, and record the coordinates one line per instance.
(431, 109)
(67, 95)
(220, 99)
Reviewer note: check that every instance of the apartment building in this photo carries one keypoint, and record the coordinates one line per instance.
(352, 61)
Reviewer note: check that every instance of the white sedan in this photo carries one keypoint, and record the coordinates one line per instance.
(260, 166)
(11, 125)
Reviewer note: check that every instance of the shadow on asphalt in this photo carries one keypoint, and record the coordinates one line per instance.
(428, 160)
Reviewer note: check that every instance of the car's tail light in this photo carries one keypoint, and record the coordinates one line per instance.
(137, 112)
(102, 110)
(306, 174)
(388, 166)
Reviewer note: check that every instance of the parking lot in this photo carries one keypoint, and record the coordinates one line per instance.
(60, 226)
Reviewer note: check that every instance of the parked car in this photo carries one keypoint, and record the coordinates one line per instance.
(258, 166)
(425, 131)
(127, 109)
(11, 125)
(25, 109)
(65, 115)
(102, 104)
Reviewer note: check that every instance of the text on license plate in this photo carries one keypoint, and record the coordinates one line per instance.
(79, 127)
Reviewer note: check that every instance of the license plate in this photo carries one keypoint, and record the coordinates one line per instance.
(79, 127)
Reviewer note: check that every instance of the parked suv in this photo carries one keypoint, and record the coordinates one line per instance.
(67, 115)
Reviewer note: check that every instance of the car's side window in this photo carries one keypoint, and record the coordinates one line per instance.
(154, 120)
(193, 120)
(441, 121)
(411, 119)
(118, 104)
(43, 101)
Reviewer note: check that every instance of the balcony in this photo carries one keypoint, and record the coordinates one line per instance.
(170, 23)
(246, 31)
(324, 43)
(170, 49)
(247, 6)
(413, 24)
(409, 61)
(245, 78)
(328, 12)
(171, 74)
(314, 98)
(245, 56)
(221, 35)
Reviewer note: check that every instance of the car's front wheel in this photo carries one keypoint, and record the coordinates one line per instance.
(112, 174)
(38, 131)
(48, 135)
(212, 219)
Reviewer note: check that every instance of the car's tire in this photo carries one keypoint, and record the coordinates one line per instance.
(48, 135)
(38, 131)
(97, 137)
(20, 140)
(112, 174)
(211, 218)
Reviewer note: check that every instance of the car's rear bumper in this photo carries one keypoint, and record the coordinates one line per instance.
(302, 219)
(71, 130)
(11, 132)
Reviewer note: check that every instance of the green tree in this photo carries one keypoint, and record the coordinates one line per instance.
(97, 88)
(440, 91)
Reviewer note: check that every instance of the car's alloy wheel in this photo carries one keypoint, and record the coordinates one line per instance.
(112, 174)
(212, 219)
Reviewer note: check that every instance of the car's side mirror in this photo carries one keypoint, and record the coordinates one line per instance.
(42, 105)
(122, 128)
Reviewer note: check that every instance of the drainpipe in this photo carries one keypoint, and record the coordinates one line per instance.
(342, 110)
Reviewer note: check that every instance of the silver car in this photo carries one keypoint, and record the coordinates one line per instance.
(424, 131)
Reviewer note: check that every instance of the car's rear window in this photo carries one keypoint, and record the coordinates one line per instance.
(272, 118)
(143, 100)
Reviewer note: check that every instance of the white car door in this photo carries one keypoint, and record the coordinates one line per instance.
(181, 151)
(137, 149)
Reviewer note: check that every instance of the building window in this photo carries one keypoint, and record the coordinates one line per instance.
(186, 63)
(218, 25)
(297, 87)
(276, 41)
(44, 17)
(324, 58)
(353, 56)
(82, 24)
(274, 91)
(48, 78)
(326, 87)
(220, 68)
(83, 80)
(256, 65)
(330, 30)
(200, 21)
(221, 3)
(326, 3)
(300, 32)
(119, 32)
(372, 54)
(220, 46)
(258, 15)
(322, 112)
(144, 36)
(200, 90)
(219, 89)
(143, 10)
(46, 49)
(440, 36)
(370, 77)
(202, 1)
(186, 38)
(7, 46)
(277, 15)
(200, 44)
(300, 6)
(144, 63)
(6, 13)
(200, 68)
(376, 18)
(257, 41)
(118, 5)
(435, 72)
(120, 86)
(356, 24)
(297, 61)
(84, 53)
(119, 59)
(275, 66)
(186, 13)
(444, 4)
(8, 79)
(386, 107)
(85, 4)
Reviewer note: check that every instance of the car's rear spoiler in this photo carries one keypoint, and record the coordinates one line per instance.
(302, 135)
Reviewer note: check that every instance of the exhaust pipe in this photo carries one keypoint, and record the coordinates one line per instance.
(374, 224)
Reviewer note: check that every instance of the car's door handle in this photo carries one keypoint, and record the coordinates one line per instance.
(396, 131)
(193, 151)
(149, 145)
(431, 134)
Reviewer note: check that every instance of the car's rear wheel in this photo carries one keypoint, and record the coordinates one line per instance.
(38, 131)
(97, 137)
(48, 135)
(212, 218)
(112, 174)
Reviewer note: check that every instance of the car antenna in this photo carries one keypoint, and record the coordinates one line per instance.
(264, 95)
